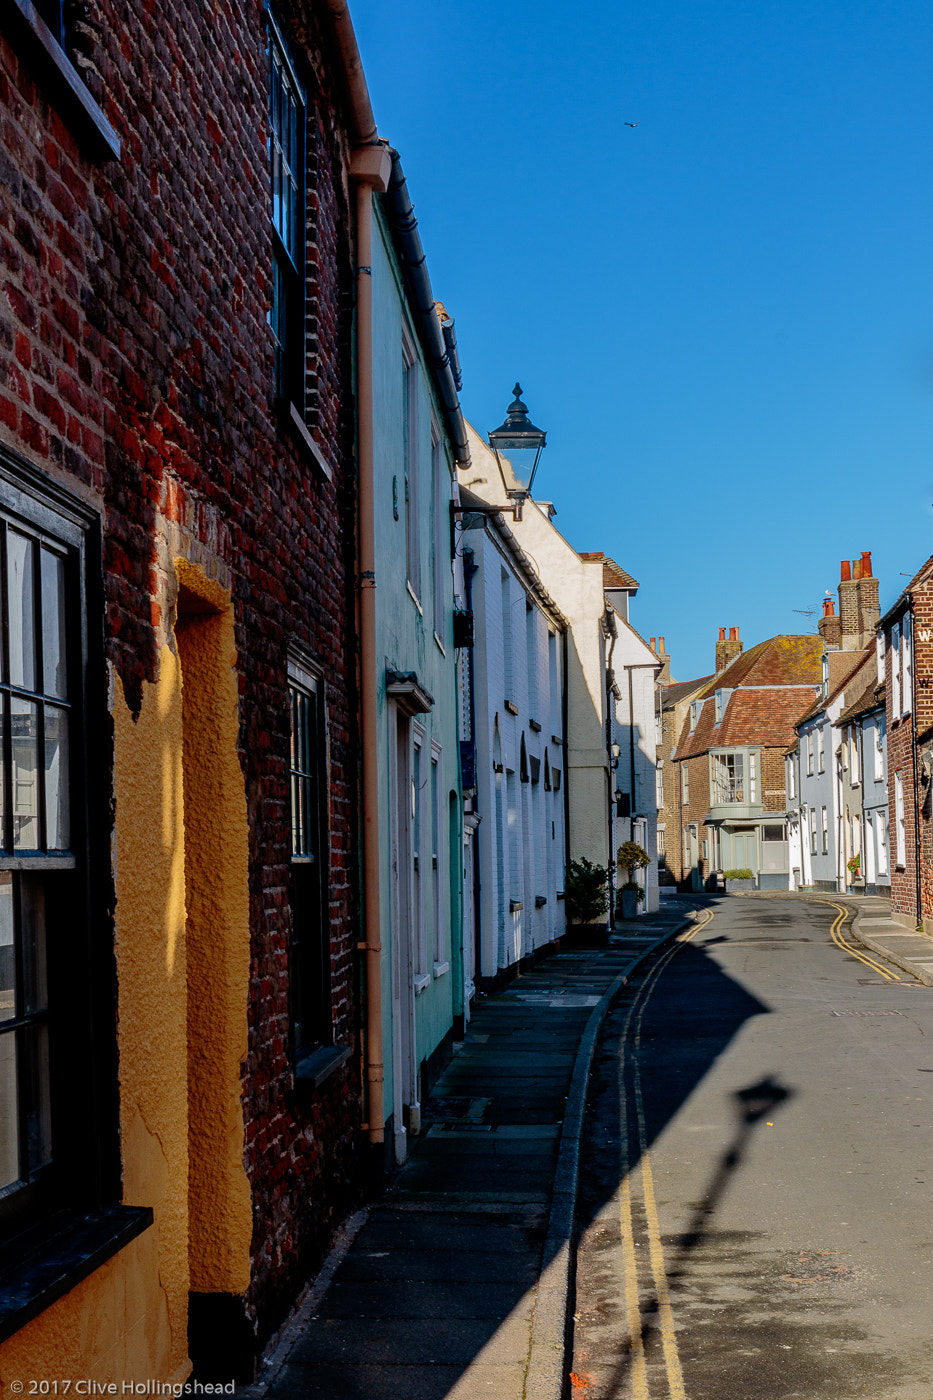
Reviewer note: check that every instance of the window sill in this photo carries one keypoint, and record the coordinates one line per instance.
(66, 88)
(440, 645)
(511, 706)
(414, 598)
(300, 428)
(533, 724)
(311, 1071)
(422, 982)
(440, 968)
(58, 1260)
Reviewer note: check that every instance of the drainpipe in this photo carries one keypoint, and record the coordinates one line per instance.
(371, 167)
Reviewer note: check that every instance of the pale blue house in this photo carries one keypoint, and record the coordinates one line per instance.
(415, 815)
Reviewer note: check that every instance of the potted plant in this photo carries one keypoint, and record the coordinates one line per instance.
(854, 867)
(740, 878)
(586, 895)
(631, 857)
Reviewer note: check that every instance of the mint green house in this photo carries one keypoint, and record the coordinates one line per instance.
(417, 438)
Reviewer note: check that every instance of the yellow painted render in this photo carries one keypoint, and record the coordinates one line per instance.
(128, 1320)
(183, 980)
(216, 878)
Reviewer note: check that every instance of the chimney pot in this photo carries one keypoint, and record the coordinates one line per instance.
(845, 571)
(829, 607)
(651, 643)
(733, 634)
(856, 568)
(722, 634)
(661, 645)
(866, 563)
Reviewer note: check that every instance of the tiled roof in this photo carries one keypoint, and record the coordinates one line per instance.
(787, 660)
(671, 694)
(764, 716)
(864, 693)
(843, 666)
(614, 576)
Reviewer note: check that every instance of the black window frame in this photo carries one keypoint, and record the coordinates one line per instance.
(61, 1219)
(288, 313)
(310, 993)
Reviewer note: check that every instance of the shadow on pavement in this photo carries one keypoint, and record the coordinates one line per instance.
(435, 1299)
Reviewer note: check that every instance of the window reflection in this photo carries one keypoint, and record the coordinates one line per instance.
(57, 816)
(24, 723)
(52, 571)
(22, 617)
(9, 1101)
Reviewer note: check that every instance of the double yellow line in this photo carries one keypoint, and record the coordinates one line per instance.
(665, 1315)
(836, 935)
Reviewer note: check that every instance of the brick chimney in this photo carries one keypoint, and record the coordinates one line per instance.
(858, 603)
(664, 675)
(727, 648)
(829, 625)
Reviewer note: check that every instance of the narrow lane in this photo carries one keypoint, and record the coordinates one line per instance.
(755, 1202)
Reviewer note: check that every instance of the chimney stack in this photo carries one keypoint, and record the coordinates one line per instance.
(829, 626)
(727, 648)
(858, 603)
(664, 675)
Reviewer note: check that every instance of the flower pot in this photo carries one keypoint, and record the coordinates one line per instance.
(629, 904)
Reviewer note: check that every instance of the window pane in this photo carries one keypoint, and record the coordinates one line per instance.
(24, 717)
(9, 1104)
(7, 948)
(32, 920)
(38, 1117)
(22, 611)
(57, 813)
(52, 568)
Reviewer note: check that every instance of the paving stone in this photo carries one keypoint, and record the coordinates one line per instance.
(413, 1341)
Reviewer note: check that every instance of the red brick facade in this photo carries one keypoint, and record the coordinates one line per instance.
(137, 368)
(909, 712)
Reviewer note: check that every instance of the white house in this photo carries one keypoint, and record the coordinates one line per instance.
(513, 744)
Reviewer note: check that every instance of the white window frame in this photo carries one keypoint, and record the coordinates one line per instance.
(881, 839)
(880, 727)
(896, 670)
(441, 569)
(824, 825)
(900, 825)
(809, 753)
(685, 782)
(418, 884)
(659, 786)
(412, 483)
(820, 750)
(906, 664)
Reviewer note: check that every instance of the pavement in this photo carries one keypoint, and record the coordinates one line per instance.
(455, 1285)
(906, 948)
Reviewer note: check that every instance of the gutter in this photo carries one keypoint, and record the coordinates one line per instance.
(439, 345)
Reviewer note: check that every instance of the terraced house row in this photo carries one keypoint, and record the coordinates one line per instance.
(807, 762)
(297, 739)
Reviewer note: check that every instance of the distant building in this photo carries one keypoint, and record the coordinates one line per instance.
(730, 761)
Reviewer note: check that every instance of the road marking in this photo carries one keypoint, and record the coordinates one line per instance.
(840, 942)
(639, 1372)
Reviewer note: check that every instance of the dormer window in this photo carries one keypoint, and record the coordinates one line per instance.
(718, 706)
(694, 714)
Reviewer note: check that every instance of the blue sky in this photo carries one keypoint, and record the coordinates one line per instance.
(724, 317)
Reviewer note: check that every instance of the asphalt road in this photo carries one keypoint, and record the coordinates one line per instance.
(756, 1202)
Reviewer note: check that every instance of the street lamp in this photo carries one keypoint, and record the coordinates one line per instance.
(517, 444)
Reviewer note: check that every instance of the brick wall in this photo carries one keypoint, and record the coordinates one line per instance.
(136, 365)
